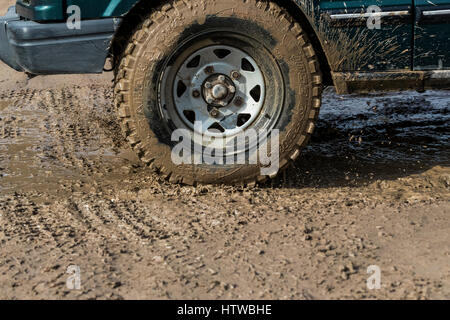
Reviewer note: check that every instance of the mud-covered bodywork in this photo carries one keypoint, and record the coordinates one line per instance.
(348, 43)
(384, 37)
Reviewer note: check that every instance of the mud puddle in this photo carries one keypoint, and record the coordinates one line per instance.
(46, 142)
(50, 137)
(361, 139)
(405, 127)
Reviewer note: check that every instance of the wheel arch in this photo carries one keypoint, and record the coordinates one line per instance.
(130, 22)
(297, 11)
(136, 15)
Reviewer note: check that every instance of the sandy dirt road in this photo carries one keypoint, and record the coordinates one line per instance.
(373, 188)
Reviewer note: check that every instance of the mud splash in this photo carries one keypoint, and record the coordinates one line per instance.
(393, 127)
(51, 138)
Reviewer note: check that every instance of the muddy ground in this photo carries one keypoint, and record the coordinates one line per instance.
(373, 188)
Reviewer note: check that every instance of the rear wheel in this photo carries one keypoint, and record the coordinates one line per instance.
(217, 70)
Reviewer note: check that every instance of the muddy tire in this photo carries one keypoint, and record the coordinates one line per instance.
(154, 90)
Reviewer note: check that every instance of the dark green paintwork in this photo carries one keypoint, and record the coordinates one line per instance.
(103, 8)
(396, 46)
(432, 39)
(358, 48)
(42, 10)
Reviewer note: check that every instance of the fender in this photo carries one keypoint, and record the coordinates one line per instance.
(55, 10)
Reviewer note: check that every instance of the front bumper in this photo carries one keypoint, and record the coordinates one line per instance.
(53, 48)
(6, 51)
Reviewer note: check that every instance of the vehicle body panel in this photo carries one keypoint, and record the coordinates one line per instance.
(41, 10)
(349, 47)
(432, 35)
(403, 46)
(55, 10)
(103, 8)
(350, 44)
(52, 48)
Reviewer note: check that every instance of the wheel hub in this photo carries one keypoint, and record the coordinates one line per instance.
(218, 90)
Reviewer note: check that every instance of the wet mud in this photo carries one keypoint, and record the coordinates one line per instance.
(372, 188)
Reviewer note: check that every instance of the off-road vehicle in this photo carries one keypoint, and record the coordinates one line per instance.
(229, 65)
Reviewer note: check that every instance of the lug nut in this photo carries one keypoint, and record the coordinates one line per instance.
(196, 93)
(221, 78)
(209, 100)
(235, 75)
(214, 113)
(208, 85)
(209, 70)
(232, 89)
(238, 101)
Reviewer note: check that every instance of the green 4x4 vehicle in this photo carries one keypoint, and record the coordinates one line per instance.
(222, 68)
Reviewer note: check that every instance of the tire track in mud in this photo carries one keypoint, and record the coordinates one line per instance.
(26, 223)
(73, 129)
(71, 229)
(74, 146)
(69, 221)
(73, 198)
